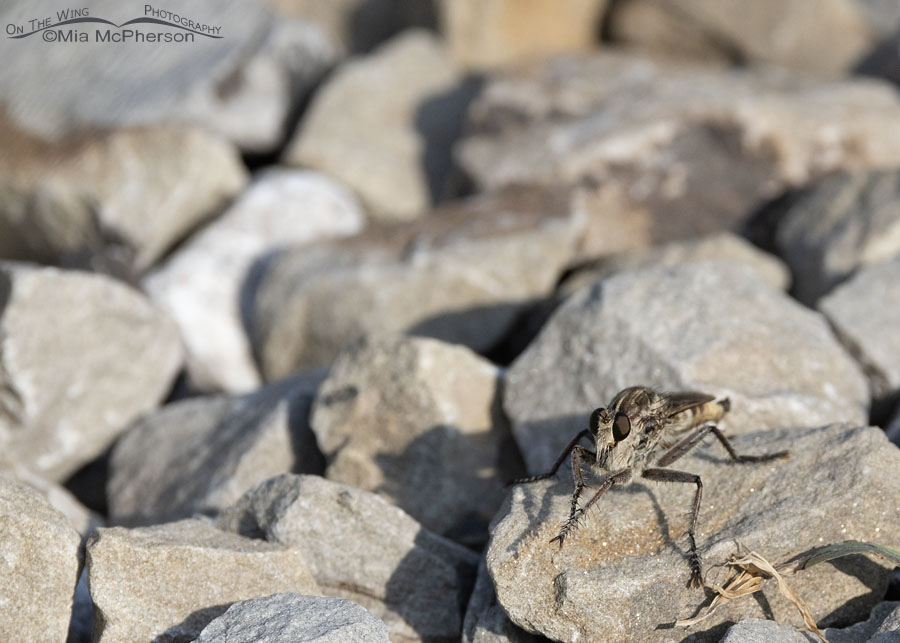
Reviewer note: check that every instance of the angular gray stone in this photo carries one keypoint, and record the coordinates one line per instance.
(383, 125)
(81, 356)
(881, 627)
(683, 150)
(111, 200)
(712, 327)
(837, 225)
(362, 548)
(756, 630)
(418, 422)
(723, 246)
(40, 560)
(772, 31)
(202, 286)
(295, 618)
(485, 621)
(200, 455)
(623, 574)
(243, 84)
(461, 275)
(166, 583)
(866, 321)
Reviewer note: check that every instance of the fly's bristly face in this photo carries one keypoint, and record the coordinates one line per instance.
(614, 438)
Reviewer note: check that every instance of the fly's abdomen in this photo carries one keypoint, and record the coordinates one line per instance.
(712, 411)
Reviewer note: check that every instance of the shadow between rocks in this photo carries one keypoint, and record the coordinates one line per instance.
(190, 628)
(401, 595)
(442, 451)
(439, 120)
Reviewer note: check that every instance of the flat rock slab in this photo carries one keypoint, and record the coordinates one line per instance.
(384, 123)
(712, 327)
(363, 548)
(241, 80)
(837, 225)
(40, 560)
(419, 422)
(623, 574)
(81, 356)
(865, 316)
(168, 582)
(686, 150)
(203, 285)
(295, 618)
(461, 275)
(200, 455)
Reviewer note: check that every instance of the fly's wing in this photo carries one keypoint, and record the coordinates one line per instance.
(679, 402)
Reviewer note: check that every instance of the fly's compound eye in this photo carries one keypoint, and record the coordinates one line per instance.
(597, 418)
(621, 427)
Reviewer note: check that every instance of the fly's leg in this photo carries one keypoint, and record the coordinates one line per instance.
(578, 452)
(576, 514)
(695, 438)
(556, 465)
(667, 475)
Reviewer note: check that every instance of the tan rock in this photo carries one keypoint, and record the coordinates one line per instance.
(40, 560)
(483, 34)
(171, 580)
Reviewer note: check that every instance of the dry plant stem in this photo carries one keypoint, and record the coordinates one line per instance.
(752, 569)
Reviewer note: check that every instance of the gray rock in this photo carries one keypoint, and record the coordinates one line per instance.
(881, 627)
(362, 548)
(81, 356)
(485, 621)
(869, 326)
(200, 455)
(383, 125)
(295, 618)
(204, 283)
(839, 224)
(622, 575)
(510, 31)
(461, 275)
(418, 422)
(243, 83)
(40, 559)
(723, 246)
(112, 201)
(756, 630)
(713, 327)
(168, 582)
(680, 151)
(771, 31)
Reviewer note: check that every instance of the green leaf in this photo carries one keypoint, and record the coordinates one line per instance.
(849, 548)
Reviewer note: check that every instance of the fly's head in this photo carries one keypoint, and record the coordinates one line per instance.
(615, 438)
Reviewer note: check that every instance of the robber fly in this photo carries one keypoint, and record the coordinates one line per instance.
(640, 434)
